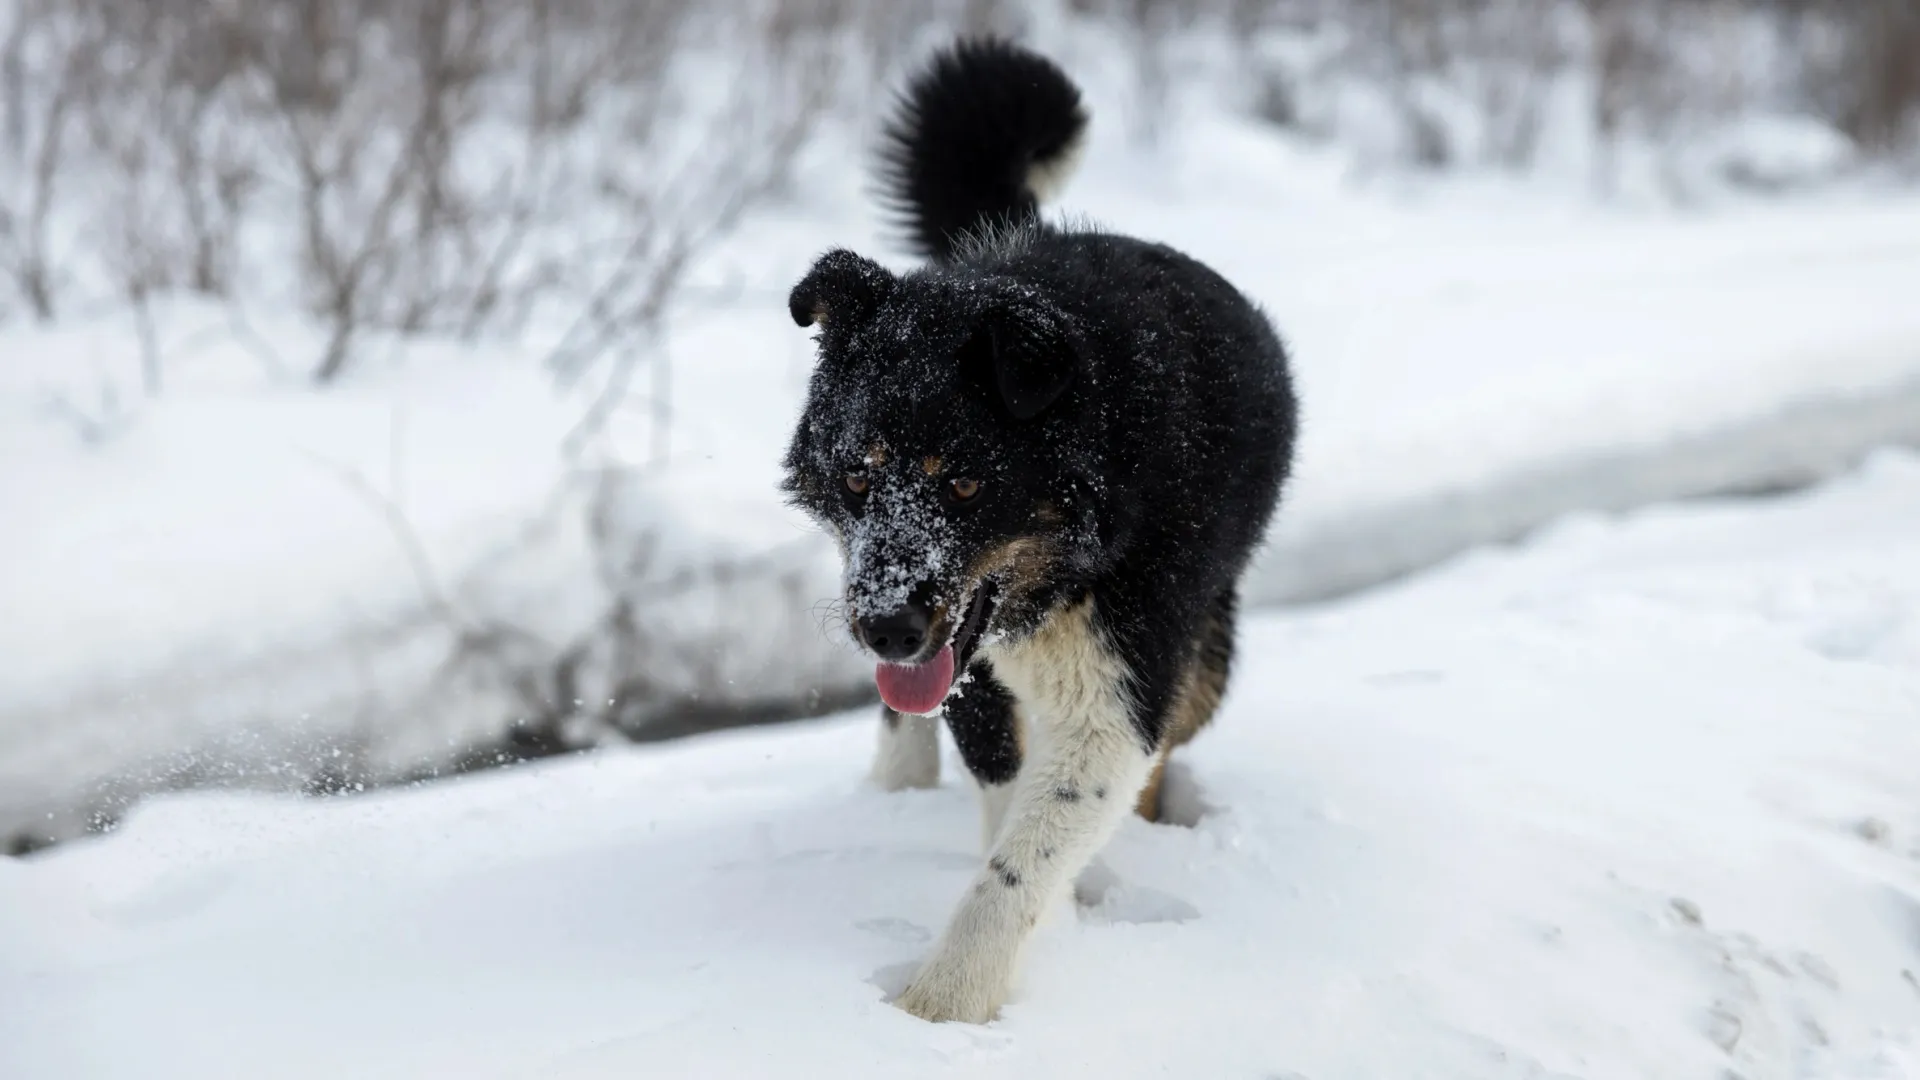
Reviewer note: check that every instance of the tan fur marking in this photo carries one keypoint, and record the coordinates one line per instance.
(1045, 513)
(1200, 693)
(819, 313)
(1201, 687)
(876, 455)
(932, 466)
(1024, 564)
(1148, 805)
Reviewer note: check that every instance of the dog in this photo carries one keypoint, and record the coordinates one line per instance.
(1047, 457)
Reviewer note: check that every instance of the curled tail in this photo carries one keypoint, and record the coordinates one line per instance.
(980, 137)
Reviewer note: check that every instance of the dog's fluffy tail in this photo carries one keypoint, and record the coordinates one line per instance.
(981, 136)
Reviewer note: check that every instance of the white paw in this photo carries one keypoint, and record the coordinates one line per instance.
(941, 993)
(894, 779)
(909, 754)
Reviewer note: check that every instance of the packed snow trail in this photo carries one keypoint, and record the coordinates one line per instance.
(1640, 798)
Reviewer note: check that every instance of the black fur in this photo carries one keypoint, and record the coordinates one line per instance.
(1128, 413)
(968, 130)
(981, 719)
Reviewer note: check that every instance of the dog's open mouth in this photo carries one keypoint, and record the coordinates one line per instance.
(920, 688)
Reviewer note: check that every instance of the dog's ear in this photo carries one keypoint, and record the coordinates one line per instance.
(843, 289)
(1028, 355)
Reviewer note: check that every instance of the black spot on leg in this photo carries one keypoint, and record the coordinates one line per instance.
(1067, 793)
(1046, 853)
(1100, 792)
(1007, 875)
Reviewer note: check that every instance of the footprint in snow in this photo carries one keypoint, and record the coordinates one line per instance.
(893, 979)
(893, 929)
(1103, 898)
(1182, 802)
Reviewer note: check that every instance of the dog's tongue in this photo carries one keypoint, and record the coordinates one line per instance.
(916, 688)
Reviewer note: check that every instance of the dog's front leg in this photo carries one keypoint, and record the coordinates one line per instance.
(909, 752)
(1089, 763)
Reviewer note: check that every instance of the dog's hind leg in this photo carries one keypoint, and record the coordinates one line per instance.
(909, 752)
(986, 726)
(1202, 685)
(1092, 748)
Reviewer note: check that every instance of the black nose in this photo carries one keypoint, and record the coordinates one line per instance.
(897, 635)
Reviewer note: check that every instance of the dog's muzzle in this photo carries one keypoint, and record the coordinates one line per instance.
(912, 685)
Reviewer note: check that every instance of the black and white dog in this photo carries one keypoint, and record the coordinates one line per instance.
(1047, 457)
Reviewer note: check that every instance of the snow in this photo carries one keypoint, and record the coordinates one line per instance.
(256, 506)
(1633, 798)
(219, 587)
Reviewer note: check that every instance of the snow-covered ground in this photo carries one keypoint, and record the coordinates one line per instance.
(251, 573)
(1638, 798)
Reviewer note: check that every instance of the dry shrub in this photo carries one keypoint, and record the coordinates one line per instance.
(473, 168)
(1659, 70)
(453, 167)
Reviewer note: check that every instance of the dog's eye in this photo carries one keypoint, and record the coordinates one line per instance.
(857, 483)
(964, 490)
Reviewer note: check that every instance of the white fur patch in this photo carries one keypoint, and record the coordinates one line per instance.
(1045, 179)
(1085, 766)
(909, 753)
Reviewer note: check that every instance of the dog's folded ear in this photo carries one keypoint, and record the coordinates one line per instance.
(842, 289)
(1029, 356)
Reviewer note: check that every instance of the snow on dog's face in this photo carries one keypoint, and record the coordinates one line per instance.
(937, 447)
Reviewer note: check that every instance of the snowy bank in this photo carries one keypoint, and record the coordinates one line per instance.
(248, 582)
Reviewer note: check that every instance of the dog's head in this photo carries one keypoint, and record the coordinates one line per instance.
(936, 447)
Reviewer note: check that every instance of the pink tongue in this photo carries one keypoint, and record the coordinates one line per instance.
(916, 688)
